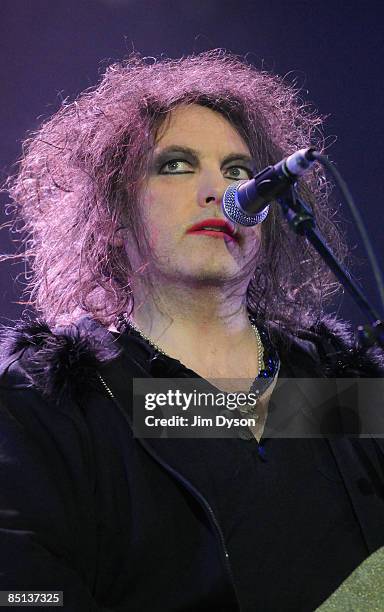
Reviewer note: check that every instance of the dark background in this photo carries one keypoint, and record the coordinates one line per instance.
(51, 50)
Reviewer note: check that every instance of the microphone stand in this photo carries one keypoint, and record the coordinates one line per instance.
(301, 220)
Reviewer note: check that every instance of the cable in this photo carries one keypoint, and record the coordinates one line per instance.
(342, 185)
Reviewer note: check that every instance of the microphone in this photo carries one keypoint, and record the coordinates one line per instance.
(246, 202)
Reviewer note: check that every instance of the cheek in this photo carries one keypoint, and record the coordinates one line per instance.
(257, 236)
(150, 212)
(164, 214)
(154, 237)
(159, 224)
(254, 236)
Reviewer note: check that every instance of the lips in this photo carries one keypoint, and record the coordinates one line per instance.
(213, 227)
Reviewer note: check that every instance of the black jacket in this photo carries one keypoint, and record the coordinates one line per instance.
(114, 522)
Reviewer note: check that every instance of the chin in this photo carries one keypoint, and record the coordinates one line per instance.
(202, 267)
(214, 275)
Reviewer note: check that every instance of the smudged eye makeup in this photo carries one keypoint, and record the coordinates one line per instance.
(175, 166)
(182, 160)
(180, 166)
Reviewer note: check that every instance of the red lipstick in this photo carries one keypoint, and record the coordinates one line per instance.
(214, 227)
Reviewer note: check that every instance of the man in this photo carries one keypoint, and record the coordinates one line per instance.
(121, 196)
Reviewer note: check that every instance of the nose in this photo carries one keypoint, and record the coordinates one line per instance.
(211, 189)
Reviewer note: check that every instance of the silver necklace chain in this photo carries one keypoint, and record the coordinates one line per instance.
(260, 347)
(123, 320)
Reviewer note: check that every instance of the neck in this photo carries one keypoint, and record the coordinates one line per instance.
(205, 327)
(187, 310)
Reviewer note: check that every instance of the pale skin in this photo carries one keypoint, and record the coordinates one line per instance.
(195, 307)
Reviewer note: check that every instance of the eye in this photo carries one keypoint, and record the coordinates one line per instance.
(239, 173)
(175, 166)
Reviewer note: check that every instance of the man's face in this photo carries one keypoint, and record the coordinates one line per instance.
(195, 158)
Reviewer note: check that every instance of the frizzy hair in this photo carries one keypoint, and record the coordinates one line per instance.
(79, 179)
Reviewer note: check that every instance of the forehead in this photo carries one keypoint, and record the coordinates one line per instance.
(197, 126)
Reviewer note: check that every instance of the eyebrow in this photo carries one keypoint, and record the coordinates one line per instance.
(195, 154)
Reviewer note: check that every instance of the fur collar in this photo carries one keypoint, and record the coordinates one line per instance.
(63, 363)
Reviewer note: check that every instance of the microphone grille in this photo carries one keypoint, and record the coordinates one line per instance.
(233, 212)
